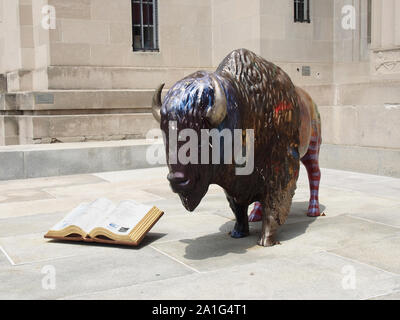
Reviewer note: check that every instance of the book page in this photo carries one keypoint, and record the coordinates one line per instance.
(125, 217)
(71, 217)
(87, 215)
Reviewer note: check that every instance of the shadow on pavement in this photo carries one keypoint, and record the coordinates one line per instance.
(220, 244)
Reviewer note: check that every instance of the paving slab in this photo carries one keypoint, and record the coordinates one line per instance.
(389, 216)
(316, 276)
(134, 175)
(29, 208)
(383, 253)
(191, 255)
(23, 195)
(47, 182)
(33, 247)
(190, 226)
(101, 268)
(391, 296)
(218, 250)
(3, 260)
(339, 201)
(102, 189)
(39, 223)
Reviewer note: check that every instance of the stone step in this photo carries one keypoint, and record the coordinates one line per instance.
(361, 125)
(3, 83)
(81, 77)
(33, 161)
(365, 93)
(372, 160)
(135, 100)
(24, 129)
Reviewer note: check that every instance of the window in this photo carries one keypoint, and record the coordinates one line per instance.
(144, 25)
(302, 11)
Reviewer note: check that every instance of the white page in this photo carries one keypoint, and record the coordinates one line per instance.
(71, 217)
(87, 216)
(125, 217)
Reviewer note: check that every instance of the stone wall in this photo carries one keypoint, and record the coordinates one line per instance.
(83, 82)
(99, 33)
(294, 45)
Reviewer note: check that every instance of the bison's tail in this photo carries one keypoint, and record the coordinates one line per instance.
(316, 121)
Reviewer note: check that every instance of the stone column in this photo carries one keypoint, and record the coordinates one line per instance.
(385, 37)
(34, 47)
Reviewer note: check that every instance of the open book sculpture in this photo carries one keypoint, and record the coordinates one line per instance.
(101, 221)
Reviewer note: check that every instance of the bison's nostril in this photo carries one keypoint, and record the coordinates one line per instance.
(176, 177)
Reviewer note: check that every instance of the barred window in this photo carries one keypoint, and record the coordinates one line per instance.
(145, 25)
(302, 11)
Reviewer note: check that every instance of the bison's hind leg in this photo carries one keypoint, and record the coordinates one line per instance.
(310, 161)
(241, 228)
(256, 213)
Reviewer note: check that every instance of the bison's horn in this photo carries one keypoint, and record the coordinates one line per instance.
(217, 113)
(156, 104)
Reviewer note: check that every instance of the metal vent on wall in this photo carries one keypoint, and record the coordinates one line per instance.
(306, 71)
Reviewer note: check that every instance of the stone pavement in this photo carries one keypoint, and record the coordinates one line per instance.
(351, 253)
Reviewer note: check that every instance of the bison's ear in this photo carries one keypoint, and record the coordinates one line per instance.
(156, 104)
(217, 112)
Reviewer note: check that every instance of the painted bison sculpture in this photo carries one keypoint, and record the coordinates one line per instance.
(245, 93)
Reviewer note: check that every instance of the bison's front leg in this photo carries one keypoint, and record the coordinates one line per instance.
(275, 210)
(241, 228)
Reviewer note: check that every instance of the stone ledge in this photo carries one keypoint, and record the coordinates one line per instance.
(91, 77)
(361, 125)
(369, 93)
(75, 128)
(360, 93)
(379, 161)
(79, 100)
(3, 83)
(33, 161)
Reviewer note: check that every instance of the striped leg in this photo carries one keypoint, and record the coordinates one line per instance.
(310, 161)
(256, 213)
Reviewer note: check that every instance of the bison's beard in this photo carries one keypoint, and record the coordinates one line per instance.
(191, 200)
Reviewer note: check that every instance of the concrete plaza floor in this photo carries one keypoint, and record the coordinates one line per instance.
(351, 253)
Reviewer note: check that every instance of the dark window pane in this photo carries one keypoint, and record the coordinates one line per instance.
(136, 13)
(147, 14)
(301, 11)
(149, 38)
(137, 39)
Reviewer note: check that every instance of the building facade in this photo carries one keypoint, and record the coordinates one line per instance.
(84, 70)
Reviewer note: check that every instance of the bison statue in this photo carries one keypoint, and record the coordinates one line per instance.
(245, 92)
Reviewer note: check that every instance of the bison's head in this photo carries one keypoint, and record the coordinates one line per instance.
(196, 102)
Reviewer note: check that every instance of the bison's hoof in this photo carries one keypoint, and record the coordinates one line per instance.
(239, 234)
(313, 211)
(266, 241)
